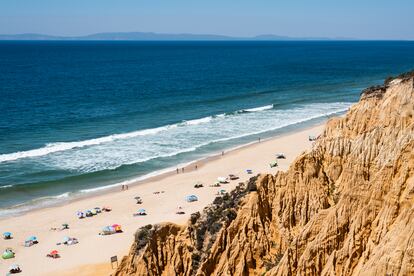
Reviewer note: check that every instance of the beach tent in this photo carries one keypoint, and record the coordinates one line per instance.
(7, 235)
(222, 180)
(273, 164)
(14, 268)
(69, 240)
(191, 198)
(222, 192)
(312, 138)
(88, 213)
(107, 230)
(30, 241)
(65, 226)
(98, 210)
(106, 209)
(93, 211)
(249, 171)
(8, 254)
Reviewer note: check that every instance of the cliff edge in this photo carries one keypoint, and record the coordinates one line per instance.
(344, 208)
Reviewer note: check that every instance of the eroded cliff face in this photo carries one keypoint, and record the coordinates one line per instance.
(344, 208)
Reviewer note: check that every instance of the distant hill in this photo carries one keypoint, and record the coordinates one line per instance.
(148, 36)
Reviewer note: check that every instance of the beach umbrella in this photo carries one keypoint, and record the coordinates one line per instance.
(7, 234)
(66, 239)
(54, 252)
(14, 267)
(117, 227)
(65, 225)
(191, 198)
(32, 238)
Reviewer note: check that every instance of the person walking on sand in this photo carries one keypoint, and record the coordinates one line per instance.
(177, 170)
(182, 170)
(122, 187)
(196, 167)
(222, 153)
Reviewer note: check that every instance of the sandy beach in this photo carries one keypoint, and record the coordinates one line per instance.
(92, 254)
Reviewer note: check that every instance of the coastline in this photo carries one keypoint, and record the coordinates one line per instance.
(153, 176)
(255, 155)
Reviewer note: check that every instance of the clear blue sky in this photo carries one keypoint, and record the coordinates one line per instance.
(370, 19)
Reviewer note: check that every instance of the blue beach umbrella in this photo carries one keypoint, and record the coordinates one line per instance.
(32, 238)
(7, 234)
(66, 239)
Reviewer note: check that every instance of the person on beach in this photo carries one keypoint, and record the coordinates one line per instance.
(196, 167)
(126, 187)
(177, 170)
(259, 139)
(222, 153)
(182, 170)
(122, 187)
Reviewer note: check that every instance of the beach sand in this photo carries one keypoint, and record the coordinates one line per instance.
(91, 256)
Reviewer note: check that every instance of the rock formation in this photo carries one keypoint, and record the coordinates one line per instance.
(346, 207)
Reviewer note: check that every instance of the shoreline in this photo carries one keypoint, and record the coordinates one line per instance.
(160, 208)
(150, 177)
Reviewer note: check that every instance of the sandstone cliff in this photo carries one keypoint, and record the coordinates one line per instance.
(344, 208)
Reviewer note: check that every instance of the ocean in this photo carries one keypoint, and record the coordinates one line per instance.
(81, 116)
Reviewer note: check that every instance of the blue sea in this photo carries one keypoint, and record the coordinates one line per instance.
(78, 116)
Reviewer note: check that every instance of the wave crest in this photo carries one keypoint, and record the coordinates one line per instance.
(64, 146)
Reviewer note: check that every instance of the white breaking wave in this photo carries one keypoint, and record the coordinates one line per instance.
(115, 150)
(198, 121)
(64, 146)
(262, 108)
(6, 186)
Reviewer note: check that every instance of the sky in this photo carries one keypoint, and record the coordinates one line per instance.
(361, 19)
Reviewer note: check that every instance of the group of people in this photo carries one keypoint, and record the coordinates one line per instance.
(124, 188)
